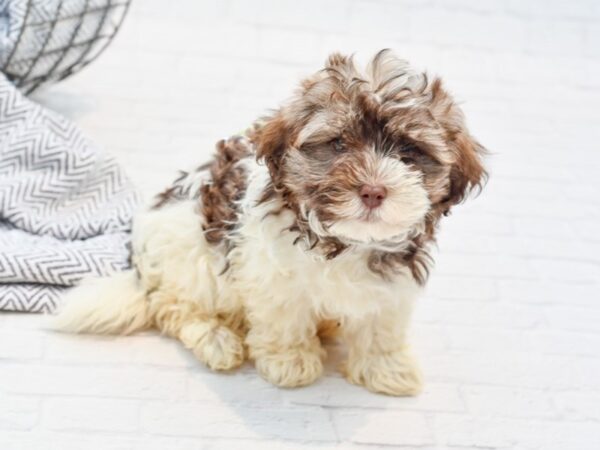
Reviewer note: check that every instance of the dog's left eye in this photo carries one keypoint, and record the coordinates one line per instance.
(409, 148)
(408, 153)
(338, 145)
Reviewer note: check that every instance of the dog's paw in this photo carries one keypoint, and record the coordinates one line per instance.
(394, 373)
(215, 345)
(292, 368)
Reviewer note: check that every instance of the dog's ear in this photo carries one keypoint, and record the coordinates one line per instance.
(467, 172)
(272, 137)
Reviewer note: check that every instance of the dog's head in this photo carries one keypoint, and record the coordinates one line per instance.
(370, 157)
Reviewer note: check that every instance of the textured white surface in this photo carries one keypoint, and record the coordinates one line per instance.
(509, 331)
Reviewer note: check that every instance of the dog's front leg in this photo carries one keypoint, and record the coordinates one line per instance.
(283, 342)
(212, 340)
(378, 356)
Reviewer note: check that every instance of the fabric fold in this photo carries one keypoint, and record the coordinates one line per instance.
(66, 207)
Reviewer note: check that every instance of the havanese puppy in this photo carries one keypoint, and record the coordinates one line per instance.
(318, 218)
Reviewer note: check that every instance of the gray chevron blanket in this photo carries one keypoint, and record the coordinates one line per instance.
(65, 206)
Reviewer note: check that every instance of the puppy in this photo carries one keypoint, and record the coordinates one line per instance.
(321, 214)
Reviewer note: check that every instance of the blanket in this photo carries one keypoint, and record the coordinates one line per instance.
(66, 207)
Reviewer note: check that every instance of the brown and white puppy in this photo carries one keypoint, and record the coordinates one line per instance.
(322, 212)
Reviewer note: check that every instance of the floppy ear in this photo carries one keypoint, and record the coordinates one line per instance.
(467, 172)
(272, 138)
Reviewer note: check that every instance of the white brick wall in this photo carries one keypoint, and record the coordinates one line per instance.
(508, 332)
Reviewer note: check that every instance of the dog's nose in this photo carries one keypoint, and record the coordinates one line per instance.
(372, 196)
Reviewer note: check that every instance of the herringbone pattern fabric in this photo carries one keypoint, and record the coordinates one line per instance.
(65, 206)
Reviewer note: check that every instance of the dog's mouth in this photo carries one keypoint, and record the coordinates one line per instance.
(353, 222)
(371, 217)
(371, 221)
(369, 228)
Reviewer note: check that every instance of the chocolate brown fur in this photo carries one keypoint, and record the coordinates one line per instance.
(316, 151)
(219, 198)
(218, 195)
(417, 122)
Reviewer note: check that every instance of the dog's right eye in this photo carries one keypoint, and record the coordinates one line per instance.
(338, 145)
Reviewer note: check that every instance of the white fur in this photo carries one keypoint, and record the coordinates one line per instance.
(105, 306)
(403, 210)
(281, 290)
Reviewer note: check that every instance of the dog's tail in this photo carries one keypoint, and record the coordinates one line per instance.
(112, 305)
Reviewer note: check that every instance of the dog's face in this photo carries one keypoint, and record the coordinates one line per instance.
(370, 158)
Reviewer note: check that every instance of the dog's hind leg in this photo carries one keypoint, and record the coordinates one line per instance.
(216, 344)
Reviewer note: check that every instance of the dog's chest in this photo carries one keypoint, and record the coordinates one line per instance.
(266, 263)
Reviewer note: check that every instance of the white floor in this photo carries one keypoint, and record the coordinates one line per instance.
(509, 331)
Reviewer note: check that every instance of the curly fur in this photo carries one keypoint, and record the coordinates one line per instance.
(269, 247)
